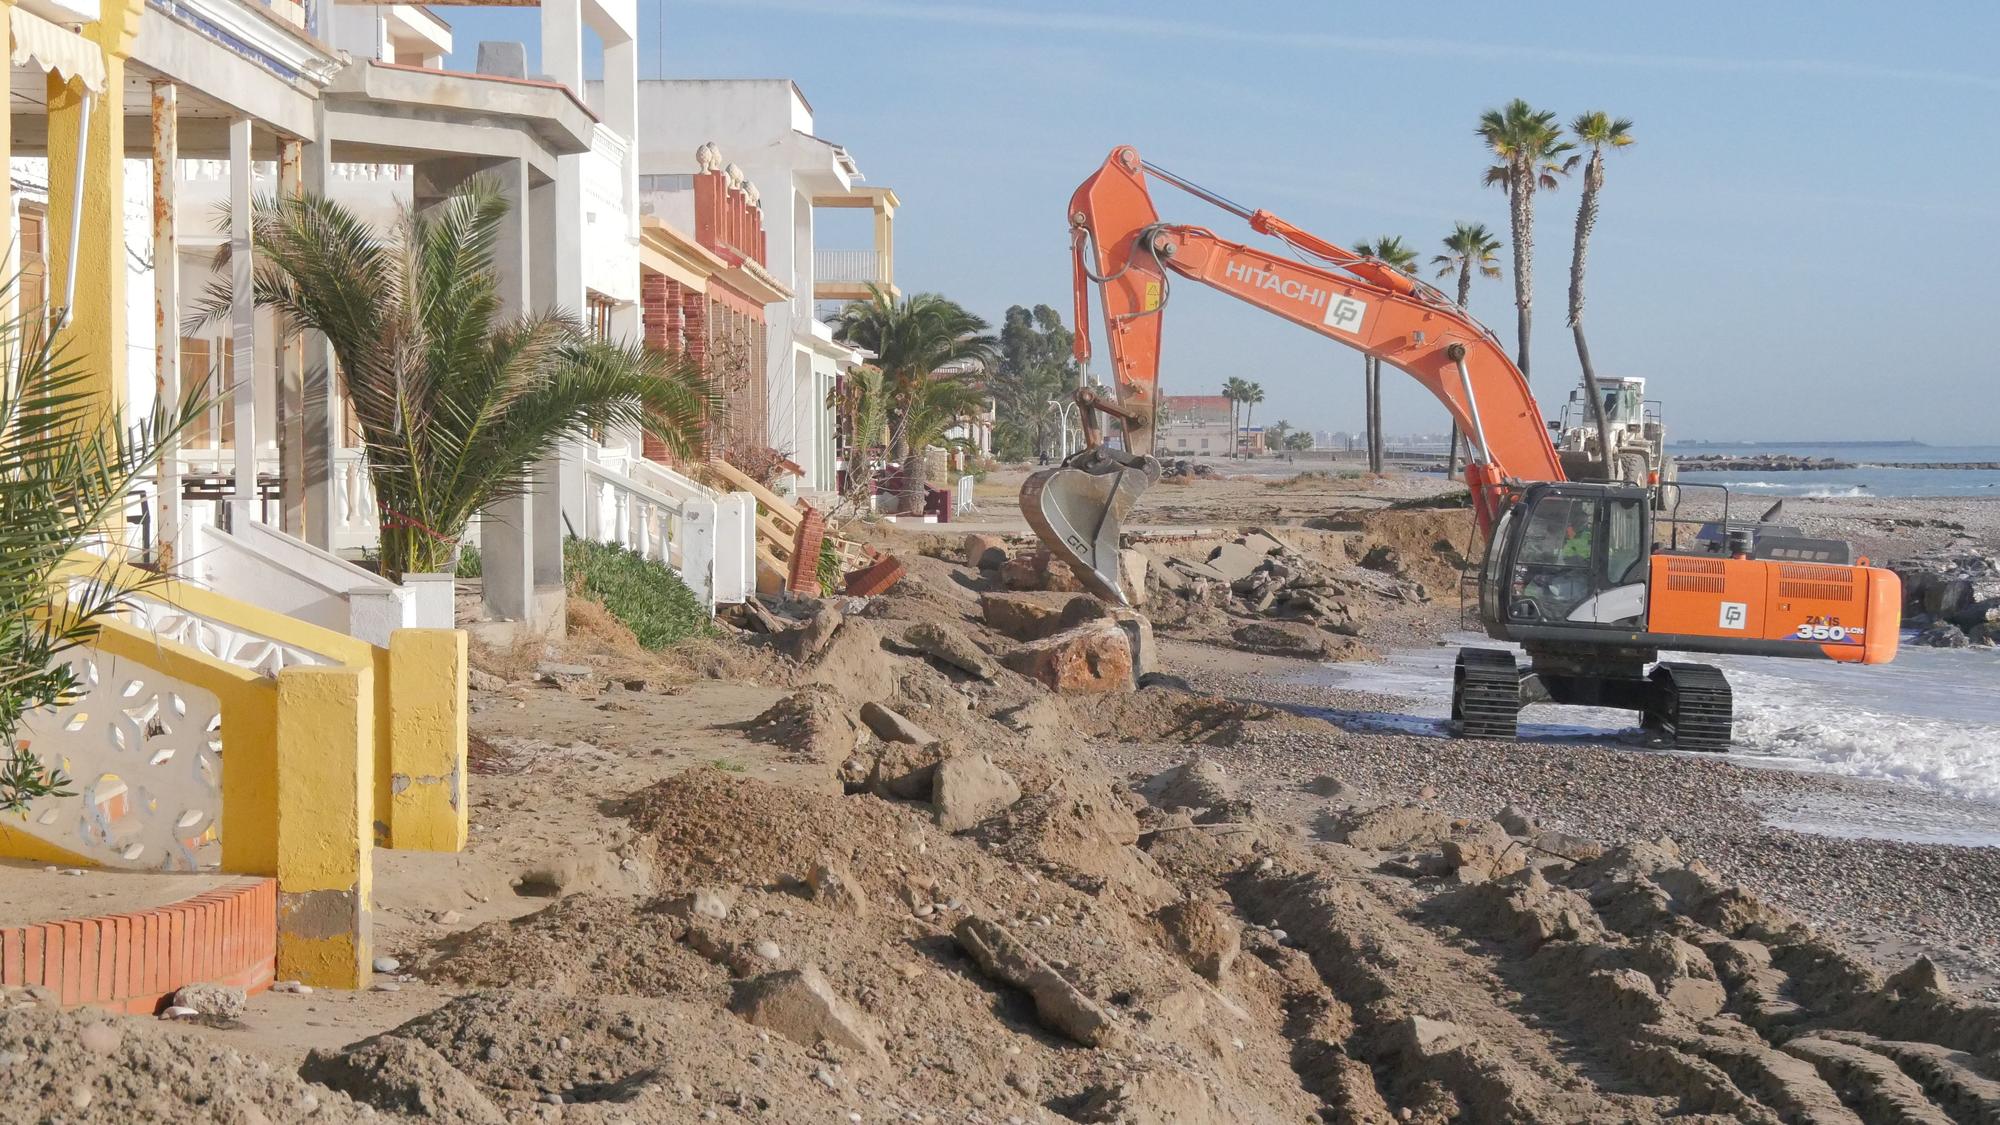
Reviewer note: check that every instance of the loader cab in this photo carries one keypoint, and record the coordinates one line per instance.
(1569, 555)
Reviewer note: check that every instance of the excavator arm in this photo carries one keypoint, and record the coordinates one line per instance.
(1120, 247)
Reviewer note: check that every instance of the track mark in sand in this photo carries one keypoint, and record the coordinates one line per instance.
(1873, 1084)
(1424, 1011)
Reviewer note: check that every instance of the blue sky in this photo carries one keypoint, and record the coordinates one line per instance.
(1783, 253)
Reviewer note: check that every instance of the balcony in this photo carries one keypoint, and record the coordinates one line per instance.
(845, 275)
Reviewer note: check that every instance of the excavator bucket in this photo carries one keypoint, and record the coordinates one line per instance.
(1079, 507)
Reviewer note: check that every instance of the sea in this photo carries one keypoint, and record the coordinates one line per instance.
(1928, 724)
(1869, 477)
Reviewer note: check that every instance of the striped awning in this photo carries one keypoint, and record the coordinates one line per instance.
(56, 49)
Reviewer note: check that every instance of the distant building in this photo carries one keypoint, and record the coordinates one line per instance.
(1250, 441)
(1194, 425)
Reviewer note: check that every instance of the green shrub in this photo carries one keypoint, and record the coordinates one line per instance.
(469, 565)
(648, 597)
(828, 569)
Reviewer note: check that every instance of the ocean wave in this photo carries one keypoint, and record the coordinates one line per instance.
(1804, 491)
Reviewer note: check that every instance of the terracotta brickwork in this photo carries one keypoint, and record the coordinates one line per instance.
(133, 962)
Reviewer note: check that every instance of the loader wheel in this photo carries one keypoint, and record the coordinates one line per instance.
(1631, 468)
(1485, 694)
(1691, 705)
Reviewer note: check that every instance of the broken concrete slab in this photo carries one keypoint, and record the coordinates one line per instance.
(1060, 1005)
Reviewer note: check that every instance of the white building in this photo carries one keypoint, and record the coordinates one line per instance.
(765, 127)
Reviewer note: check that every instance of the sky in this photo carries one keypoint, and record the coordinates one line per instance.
(1779, 253)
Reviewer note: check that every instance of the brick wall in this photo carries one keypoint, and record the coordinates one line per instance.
(724, 332)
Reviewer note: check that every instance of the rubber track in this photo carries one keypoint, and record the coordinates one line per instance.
(1698, 706)
(1486, 699)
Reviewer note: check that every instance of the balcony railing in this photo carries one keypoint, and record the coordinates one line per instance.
(851, 266)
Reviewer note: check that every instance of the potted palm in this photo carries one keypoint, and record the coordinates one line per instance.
(455, 400)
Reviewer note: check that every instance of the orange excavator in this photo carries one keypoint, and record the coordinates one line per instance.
(1586, 578)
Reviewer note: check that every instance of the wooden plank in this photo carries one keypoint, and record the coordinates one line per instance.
(735, 479)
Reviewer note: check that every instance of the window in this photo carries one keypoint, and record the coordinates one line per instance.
(1560, 532)
(597, 315)
(34, 282)
(1204, 443)
(1552, 569)
(1624, 541)
(210, 364)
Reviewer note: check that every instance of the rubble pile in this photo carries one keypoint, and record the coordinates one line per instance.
(1280, 601)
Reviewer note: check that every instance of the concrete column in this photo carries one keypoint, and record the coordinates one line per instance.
(321, 399)
(243, 325)
(166, 310)
(557, 220)
(90, 279)
(621, 116)
(290, 374)
(506, 546)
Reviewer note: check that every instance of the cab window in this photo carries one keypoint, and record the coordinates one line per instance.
(1624, 541)
(1560, 532)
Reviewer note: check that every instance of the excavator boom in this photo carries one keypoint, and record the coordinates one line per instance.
(1120, 247)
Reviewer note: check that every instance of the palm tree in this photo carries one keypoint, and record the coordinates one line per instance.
(1598, 131)
(65, 475)
(1528, 144)
(455, 402)
(1234, 389)
(920, 340)
(1389, 250)
(1253, 393)
(1275, 434)
(1470, 247)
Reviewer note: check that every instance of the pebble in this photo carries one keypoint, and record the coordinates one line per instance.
(387, 964)
(386, 986)
(767, 949)
(178, 1012)
(449, 918)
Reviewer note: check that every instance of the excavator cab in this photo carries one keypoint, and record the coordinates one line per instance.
(1568, 555)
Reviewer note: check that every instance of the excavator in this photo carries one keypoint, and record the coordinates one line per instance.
(1585, 577)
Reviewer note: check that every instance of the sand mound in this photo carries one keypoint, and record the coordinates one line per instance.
(89, 1066)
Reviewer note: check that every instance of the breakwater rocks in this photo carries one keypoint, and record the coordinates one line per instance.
(1789, 463)
(1954, 599)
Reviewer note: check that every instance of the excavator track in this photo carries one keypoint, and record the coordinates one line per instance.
(1692, 705)
(1485, 694)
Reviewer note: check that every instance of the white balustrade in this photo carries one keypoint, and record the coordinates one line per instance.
(673, 531)
(143, 755)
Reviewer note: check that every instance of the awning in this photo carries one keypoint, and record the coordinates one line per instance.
(56, 49)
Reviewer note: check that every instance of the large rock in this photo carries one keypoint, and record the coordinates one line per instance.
(968, 788)
(1034, 616)
(1132, 567)
(1092, 658)
(1941, 635)
(1203, 934)
(806, 640)
(893, 726)
(987, 552)
(217, 1002)
(800, 1005)
(1036, 570)
(404, 1077)
(1059, 1005)
(947, 645)
(835, 888)
(1282, 638)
